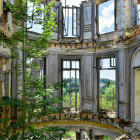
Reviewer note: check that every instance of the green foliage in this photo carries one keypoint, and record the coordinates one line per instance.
(72, 85)
(35, 104)
(20, 18)
(68, 88)
(107, 138)
(108, 100)
(70, 134)
(37, 100)
(66, 99)
(104, 83)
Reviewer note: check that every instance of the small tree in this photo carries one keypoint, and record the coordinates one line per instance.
(32, 90)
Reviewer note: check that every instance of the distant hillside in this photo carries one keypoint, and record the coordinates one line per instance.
(72, 89)
(104, 83)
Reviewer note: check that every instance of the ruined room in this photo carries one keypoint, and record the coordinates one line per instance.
(95, 49)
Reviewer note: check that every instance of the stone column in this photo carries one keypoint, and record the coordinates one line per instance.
(123, 96)
(87, 98)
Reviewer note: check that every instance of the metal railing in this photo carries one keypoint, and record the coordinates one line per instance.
(108, 103)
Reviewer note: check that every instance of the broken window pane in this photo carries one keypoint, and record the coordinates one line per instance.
(106, 17)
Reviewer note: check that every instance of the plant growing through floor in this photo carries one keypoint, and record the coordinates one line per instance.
(31, 90)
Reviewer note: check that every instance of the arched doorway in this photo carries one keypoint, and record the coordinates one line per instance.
(135, 63)
(137, 93)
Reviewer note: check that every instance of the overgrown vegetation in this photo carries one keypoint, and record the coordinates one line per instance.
(107, 138)
(69, 135)
(34, 98)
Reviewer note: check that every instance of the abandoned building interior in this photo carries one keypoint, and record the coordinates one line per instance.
(96, 47)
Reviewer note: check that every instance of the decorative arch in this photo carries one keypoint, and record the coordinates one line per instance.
(135, 86)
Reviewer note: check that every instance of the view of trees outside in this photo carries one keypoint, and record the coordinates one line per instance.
(107, 94)
(107, 91)
(33, 99)
(66, 93)
(107, 87)
(70, 74)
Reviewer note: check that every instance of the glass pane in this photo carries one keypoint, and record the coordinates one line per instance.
(68, 64)
(77, 74)
(113, 63)
(77, 64)
(64, 64)
(72, 74)
(66, 75)
(106, 63)
(67, 14)
(73, 64)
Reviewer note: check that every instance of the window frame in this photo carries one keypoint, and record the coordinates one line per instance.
(108, 55)
(69, 69)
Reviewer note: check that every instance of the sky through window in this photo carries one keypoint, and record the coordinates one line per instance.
(106, 17)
